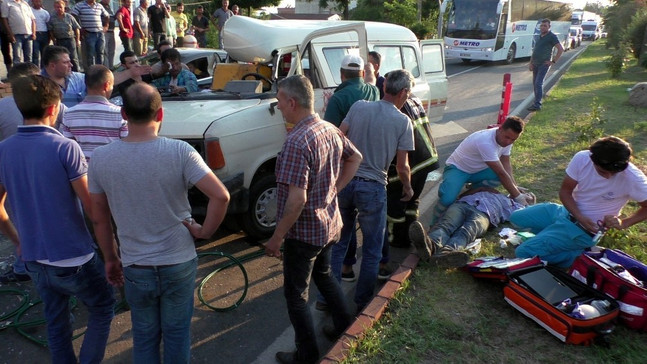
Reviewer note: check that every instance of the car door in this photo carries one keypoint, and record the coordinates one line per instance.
(433, 59)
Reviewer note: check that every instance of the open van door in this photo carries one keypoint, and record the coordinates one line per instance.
(433, 59)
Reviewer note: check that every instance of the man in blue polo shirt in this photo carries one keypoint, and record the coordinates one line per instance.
(58, 68)
(541, 60)
(43, 176)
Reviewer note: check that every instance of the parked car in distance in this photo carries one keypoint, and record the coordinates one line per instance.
(575, 34)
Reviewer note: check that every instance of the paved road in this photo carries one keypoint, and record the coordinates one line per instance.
(259, 327)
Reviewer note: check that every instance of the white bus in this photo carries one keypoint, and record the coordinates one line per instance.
(496, 30)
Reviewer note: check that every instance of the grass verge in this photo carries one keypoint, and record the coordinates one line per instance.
(448, 317)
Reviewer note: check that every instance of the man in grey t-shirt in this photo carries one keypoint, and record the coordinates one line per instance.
(380, 132)
(220, 16)
(142, 180)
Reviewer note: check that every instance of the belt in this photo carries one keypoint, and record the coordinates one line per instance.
(154, 267)
(43, 32)
(363, 179)
(574, 221)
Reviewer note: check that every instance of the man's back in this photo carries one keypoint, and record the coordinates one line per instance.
(378, 130)
(346, 95)
(146, 184)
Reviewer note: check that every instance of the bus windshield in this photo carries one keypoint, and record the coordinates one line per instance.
(472, 19)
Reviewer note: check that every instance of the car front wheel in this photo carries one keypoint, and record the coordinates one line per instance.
(260, 219)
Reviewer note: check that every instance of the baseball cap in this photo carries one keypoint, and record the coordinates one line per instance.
(352, 62)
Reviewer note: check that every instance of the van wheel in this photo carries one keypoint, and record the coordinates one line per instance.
(512, 51)
(260, 219)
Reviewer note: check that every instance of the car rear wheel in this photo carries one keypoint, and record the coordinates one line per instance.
(260, 219)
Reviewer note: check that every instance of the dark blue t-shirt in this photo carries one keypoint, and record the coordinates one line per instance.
(543, 50)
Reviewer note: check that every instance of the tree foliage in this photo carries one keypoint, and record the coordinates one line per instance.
(401, 12)
(617, 18)
(340, 5)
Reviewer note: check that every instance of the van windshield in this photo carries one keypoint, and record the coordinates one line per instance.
(589, 26)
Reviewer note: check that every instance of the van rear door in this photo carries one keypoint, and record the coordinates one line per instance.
(433, 59)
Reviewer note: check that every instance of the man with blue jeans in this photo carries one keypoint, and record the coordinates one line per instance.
(541, 60)
(142, 180)
(315, 162)
(20, 25)
(380, 132)
(93, 19)
(43, 176)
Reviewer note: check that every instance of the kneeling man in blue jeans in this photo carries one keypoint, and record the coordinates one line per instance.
(598, 184)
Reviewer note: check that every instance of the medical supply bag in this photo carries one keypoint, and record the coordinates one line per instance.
(567, 308)
(498, 268)
(620, 276)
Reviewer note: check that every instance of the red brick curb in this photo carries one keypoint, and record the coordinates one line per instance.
(371, 313)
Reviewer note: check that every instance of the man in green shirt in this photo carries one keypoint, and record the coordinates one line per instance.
(541, 60)
(352, 88)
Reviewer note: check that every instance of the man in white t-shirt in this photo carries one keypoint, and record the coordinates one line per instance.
(598, 184)
(482, 159)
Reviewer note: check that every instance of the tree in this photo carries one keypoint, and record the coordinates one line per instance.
(249, 4)
(337, 4)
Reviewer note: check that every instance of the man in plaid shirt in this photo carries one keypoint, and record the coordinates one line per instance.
(317, 160)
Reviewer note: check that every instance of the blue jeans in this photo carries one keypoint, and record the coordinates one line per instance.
(460, 225)
(94, 48)
(538, 74)
(42, 41)
(300, 262)
(365, 201)
(161, 306)
(557, 240)
(88, 283)
(22, 48)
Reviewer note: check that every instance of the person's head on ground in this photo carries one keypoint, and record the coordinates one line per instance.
(397, 87)
(128, 59)
(162, 46)
(57, 61)
(179, 8)
(173, 57)
(99, 81)
(544, 26)
(59, 7)
(142, 105)
(21, 70)
(375, 59)
(610, 155)
(509, 131)
(38, 98)
(352, 66)
(295, 98)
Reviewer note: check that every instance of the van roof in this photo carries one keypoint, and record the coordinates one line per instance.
(251, 40)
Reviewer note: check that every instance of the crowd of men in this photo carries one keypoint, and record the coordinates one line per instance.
(64, 142)
(87, 29)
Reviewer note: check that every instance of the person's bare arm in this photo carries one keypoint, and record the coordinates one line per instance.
(506, 180)
(348, 169)
(566, 197)
(6, 226)
(80, 187)
(218, 196)
(560, 50)
(297, 198)
(106, 239)
(404, 173)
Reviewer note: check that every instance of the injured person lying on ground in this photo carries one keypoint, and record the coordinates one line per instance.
(446, 244)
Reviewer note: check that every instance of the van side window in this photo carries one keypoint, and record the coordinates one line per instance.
(334, 56)
(397, 57)
(432, 57)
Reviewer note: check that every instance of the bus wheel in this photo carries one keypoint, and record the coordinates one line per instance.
(511, 53)
(466, 60)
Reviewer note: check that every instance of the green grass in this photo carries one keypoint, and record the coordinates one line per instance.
(448, 317)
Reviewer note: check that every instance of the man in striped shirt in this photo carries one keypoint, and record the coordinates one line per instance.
(95, 121)
(94, 22)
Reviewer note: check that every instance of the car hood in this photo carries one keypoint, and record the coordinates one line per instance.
(187, 119)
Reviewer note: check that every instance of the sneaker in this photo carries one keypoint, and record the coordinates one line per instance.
(533, 108)
(11, 277)
(418, 236)
(384, 273)
(450, 259)
(321, 306)
(348, 277)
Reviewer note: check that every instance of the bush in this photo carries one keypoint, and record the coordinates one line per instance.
(616, 62)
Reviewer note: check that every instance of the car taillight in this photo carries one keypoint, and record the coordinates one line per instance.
(214, 156)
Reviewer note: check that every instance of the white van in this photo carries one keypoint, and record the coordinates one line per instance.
(236, 125)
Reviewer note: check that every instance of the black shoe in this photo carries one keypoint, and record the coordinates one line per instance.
(348, 277)
(11, 277)
(384, 273)
(424, 245)
(286, 357)
(331, 333)
(321, 306)
(533, 108)
(450, 259)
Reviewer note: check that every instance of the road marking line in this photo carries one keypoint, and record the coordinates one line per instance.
(467, 70)
(446, 129)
